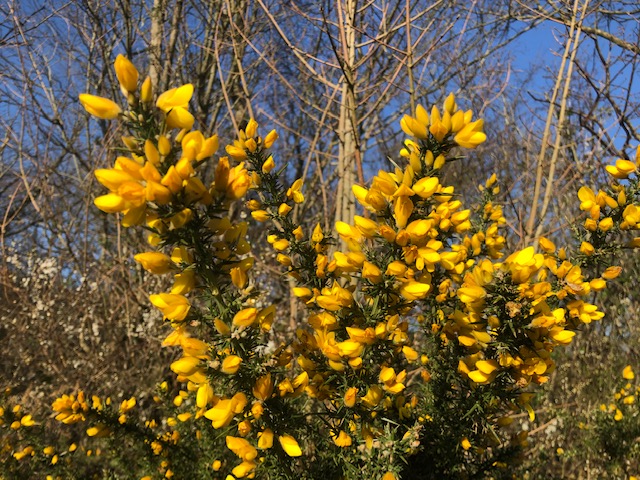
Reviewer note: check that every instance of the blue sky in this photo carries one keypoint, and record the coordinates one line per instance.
(534, 47)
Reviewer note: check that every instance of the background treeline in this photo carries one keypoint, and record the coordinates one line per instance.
(333, 77)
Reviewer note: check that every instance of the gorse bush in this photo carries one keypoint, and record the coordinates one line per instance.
(617, 424)
(605, 436)
(424, 332)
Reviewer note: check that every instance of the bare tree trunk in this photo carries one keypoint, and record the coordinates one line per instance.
(176, 25)
(349, 154)
(155, 42)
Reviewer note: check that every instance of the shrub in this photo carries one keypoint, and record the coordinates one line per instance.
(422, 335)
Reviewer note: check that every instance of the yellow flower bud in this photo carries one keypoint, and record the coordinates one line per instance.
(257, 410)
(627, 373)
(263, 388)
(239, 277)
(290, 445)
(371, 272)
(450, 104)
(268, 165)
(302, 292)
(27, 421)
(402, 209)
(350, 397)
(239, 182)
(413, 127)
(562, 336)
(414, 290)
(373, 396)
(587, 249)
(605, 224)
(387, 375)
(99, 430)
(295, 193)
(281, 244)
(471, 135)
(410, 354)
(185, 366)
(284, 260)
(242, 448)
(246, 317)
(342, 439)
(284, 209)
(154, 262)
(396, 268)
(260, 215)
(236, 152)
(271, 137)
(597, 284)
(179, 117)
(546, 245)
(173, 307)
(130, 143)
(244, 427)
(251, 145)
(127, 73)
(611, 272)
(113, 178)
(172, 180)
(151, 152)
(265, 439)
(164, 146)
(204, 395)
(100, 107)
(251, 129)
(146, 91)
(222, 328)
(231, 364)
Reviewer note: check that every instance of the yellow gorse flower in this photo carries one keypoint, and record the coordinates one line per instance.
(154, 262)
(290, 445)
(173, 307)
(294, 192)
(242, 448)
(127, 73)
(100, 107)
(175, 103)
(231, 364)
(627, 373)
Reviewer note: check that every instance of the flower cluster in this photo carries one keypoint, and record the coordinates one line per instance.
(624, 397)
(421, 333)
(27, 447)
(614, 429)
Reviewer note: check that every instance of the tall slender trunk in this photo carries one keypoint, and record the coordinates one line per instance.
(155, 44)
(349, 152)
